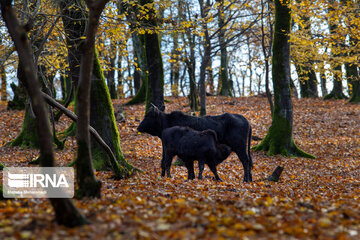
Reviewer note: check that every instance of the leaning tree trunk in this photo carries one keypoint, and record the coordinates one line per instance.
(65, 211)
(279, 138)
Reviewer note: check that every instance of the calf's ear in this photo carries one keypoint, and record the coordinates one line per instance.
(154, 108)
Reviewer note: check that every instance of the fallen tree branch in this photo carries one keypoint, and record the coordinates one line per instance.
(93, 132)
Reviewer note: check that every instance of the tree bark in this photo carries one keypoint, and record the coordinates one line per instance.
(226, 84)
(155, 90)
(65, 211)
(103, 120)
(140, 55)
(88, 185)
(279, 138)
(205, 58)
(337, 91)
(3, 91)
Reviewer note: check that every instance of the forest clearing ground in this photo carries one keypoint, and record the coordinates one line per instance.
(314, 198)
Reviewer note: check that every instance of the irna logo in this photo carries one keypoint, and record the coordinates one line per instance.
(38, 182)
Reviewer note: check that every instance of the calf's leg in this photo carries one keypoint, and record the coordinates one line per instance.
(212, 167)
(201, 164)
(190, 167)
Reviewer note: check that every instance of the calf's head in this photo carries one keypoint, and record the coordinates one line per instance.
(152, 122)
(223, 151)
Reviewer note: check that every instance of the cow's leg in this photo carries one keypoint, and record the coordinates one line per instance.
(190, 167)
(245, 159)
(201, 168)
(212, 167)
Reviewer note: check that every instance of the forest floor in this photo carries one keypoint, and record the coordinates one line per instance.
(314, 199)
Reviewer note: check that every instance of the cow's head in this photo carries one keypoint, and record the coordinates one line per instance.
(152, 122)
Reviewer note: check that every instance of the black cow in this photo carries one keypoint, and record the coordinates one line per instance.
(190, 145)
(233, 130)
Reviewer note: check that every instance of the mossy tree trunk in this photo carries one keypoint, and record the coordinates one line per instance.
(28, 136)
(65, 211)
(103, 120)
(279, 138)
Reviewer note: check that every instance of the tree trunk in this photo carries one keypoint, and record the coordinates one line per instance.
(141, 68)
(65, 211)
(279, 137)
(111, 73)
(3, 91)
(103, 120)
(337, 91)
(308, 82)
(205, 58)
(324, 91)
(28, 136)
(191, 65)
(19, 100)
(226, 85)
(155, 90)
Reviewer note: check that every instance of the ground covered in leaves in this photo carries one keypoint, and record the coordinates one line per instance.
(314, 199)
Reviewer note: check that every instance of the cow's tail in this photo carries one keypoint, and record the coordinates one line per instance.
(249, 146)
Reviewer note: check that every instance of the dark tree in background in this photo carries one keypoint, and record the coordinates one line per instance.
(155, 91)
(279, 139)
(337, 91)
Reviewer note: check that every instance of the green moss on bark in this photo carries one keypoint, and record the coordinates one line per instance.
(103, 120)
(279, 138)
(28, 136)
(140, 95)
